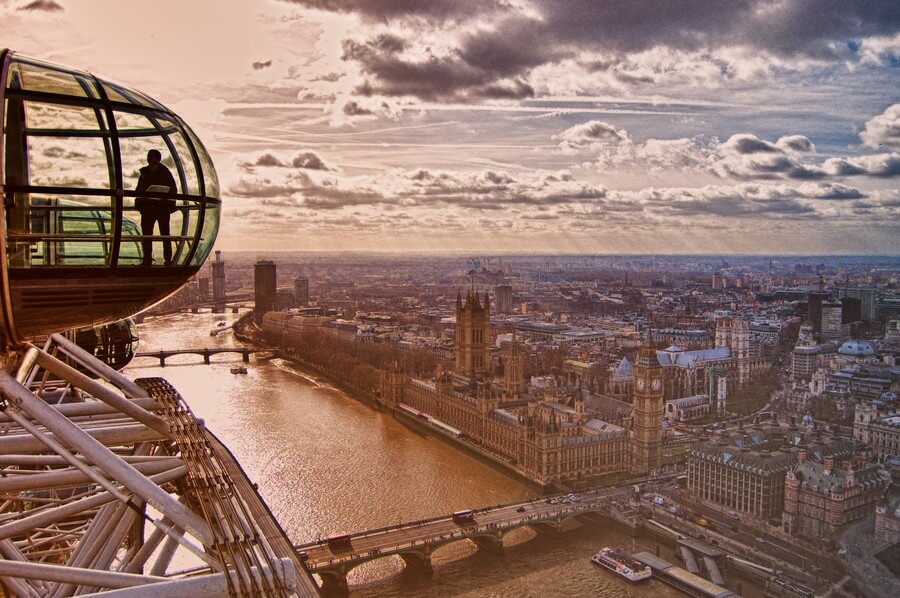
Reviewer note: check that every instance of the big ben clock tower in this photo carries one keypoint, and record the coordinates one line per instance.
(646, 418)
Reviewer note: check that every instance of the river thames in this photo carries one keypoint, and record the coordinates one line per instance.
(326, 464)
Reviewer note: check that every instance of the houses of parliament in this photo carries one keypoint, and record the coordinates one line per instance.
(548, 438)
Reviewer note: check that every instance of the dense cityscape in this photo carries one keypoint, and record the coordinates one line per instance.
(765, 387)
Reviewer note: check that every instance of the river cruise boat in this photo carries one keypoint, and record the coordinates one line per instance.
(621, 563)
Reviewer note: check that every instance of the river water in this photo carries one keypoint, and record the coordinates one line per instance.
(326, 463)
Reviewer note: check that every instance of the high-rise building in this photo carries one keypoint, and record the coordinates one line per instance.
(814, 306)
(866, 298)
(647, 416)
(830, 327)
(301, 291)
(851, 310)
(218, 283)
(473, 320)
(503, 298)
(264, 287)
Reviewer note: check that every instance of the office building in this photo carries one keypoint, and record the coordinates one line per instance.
(301, 291)
(218, 283)
(264, 287)
(503, 298)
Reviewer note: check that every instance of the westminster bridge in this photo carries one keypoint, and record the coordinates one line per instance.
(416, 541)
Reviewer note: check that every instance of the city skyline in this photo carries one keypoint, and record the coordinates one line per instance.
(518, 127)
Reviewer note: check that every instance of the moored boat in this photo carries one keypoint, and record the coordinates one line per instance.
(622, 564)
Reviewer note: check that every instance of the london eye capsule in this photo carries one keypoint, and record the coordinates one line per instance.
(81, 245)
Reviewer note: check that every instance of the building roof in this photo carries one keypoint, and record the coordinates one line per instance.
(813, 477)
(856, 348)
(693, 358)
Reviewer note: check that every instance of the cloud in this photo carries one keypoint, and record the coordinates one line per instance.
(741, 156)
(304, 160)
(42, 5)
(590, 133)
(482, 190)
(884, 129)
(259, 65)
(462, 50)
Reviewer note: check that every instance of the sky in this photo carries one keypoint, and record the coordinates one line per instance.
(518, 126)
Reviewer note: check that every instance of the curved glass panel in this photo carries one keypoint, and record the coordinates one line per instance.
(34, 75)
(208, 237)
(209, 172)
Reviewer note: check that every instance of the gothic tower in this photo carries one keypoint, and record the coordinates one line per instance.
(646, 421)
(473, 326)
(734, 333)
(393, 381)
(513, 369)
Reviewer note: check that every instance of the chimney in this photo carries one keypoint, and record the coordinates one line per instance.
(828, 464)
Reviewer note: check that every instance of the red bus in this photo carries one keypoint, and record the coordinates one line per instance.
(464, 516)
(341, 542)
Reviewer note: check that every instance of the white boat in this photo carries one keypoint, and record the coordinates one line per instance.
(238, 369)
(622, 564)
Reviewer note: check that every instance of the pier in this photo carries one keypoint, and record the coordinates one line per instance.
(678, 578)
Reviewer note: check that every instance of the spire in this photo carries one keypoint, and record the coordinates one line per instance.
(458, 300)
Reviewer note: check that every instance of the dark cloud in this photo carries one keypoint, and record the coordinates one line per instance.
(353, 108)
(385, 10)
(42, 5)
(496, 61)
(310, 161)
(259, 65)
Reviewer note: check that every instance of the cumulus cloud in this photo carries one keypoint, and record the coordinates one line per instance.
(589, 134)
(741, 156)
(483, 190)
(259, 65)
(884, 129)
(507, 43)
(307, 160)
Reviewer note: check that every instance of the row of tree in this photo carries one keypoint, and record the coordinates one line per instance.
(357, 364)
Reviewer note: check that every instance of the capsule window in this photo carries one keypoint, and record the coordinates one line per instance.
(33, 75)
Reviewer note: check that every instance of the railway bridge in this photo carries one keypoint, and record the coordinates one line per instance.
(205, 353)
(416, 541)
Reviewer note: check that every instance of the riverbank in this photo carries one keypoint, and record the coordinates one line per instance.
(245, 331)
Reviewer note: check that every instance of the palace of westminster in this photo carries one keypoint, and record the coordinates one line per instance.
(556, 436)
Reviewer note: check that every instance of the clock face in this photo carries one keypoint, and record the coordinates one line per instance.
(657, 383)
(640, 383)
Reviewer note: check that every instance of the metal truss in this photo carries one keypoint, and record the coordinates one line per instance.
(107, 484)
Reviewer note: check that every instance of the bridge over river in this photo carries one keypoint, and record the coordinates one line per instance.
(414, 542)
(205, 353)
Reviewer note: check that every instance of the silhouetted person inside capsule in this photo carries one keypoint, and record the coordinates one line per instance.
(155, 177)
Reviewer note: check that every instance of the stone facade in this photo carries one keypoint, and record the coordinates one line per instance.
(746, 472)
(820, 498)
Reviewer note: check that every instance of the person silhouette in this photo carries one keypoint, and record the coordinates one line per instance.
(155, 177)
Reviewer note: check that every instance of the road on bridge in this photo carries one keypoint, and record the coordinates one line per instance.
(390, 540)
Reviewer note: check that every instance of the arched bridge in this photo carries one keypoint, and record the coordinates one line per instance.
(205, 353)
(414, 542)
